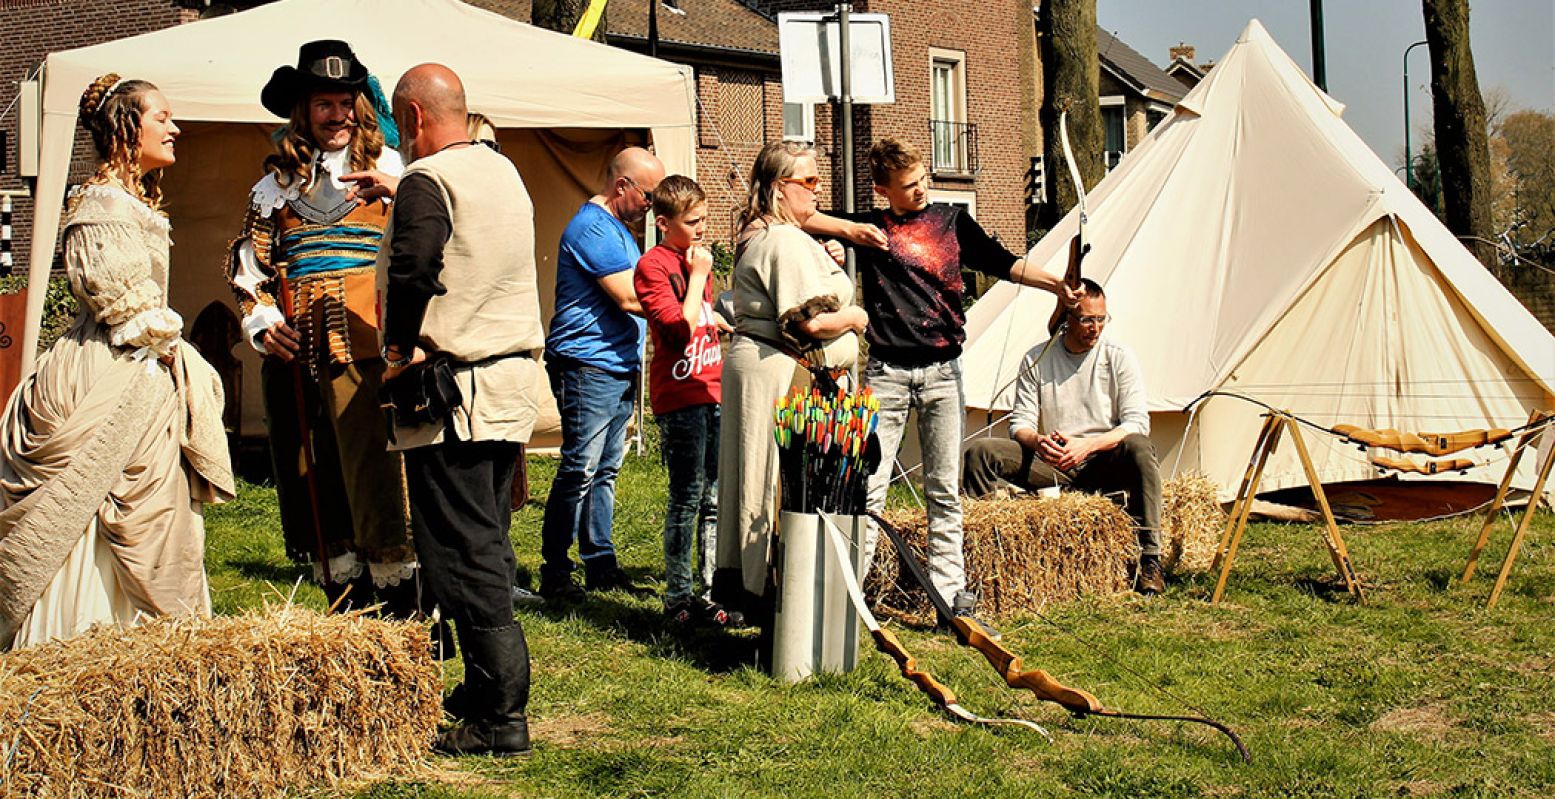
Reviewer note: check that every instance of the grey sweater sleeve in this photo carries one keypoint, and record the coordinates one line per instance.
(1132, 409)
(1026, 411)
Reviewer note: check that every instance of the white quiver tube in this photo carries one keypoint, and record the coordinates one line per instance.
(815, 628)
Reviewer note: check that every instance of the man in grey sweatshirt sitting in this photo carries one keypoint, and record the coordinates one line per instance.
(1080, 420)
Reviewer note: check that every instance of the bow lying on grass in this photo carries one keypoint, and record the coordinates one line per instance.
(888, 643)
(1009, 666)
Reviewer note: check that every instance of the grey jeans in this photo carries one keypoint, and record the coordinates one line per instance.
(936, 393)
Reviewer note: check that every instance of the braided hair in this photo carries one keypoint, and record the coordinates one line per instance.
(111, 110)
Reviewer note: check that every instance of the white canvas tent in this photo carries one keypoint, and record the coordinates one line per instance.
(563, 106)
(1253, 243)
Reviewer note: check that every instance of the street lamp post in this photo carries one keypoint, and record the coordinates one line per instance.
(1319, 58)
(1409, 161)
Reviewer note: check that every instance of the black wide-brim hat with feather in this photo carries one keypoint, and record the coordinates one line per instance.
(325, 65)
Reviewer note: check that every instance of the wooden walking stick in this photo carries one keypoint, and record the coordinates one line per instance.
(304, 431)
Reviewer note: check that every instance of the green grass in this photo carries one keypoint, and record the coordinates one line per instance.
(1419, 692)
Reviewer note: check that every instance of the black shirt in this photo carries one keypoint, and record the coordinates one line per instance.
(913, 291)
(421, 228)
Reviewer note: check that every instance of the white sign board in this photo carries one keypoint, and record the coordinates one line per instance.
(811, 47)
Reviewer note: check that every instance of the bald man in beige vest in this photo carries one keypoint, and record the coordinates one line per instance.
(458, 277)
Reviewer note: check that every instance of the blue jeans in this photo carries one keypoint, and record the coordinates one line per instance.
(689, 444)
(595, 406)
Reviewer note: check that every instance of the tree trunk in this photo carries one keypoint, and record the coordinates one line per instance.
(1462, 141)
(1066, 34)
(562, 16)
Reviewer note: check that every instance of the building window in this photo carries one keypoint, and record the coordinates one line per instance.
(965, 199)
(799, 122)
(1154, 115)
(1112, 121)
(953, 141)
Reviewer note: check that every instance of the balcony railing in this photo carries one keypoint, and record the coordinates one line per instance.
(954, 148)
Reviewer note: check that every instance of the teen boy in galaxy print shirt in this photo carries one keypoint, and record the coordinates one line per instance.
(910, 268)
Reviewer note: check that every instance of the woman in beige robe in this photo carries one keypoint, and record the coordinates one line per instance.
(109, 449)
(787, 289)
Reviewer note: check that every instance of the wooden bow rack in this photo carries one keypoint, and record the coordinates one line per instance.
(1276, 423)
(1538, 425)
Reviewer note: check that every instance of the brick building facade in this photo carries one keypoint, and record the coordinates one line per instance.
(733, 50)
(30, 29)
(1135, 95)
(986, 120)
(967, 86)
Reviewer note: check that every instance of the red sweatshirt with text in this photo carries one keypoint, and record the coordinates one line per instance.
(687, 365)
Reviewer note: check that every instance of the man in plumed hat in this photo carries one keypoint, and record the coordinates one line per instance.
(303, 273)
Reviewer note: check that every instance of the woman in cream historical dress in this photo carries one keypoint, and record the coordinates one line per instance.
(109, 449)
(788, 291)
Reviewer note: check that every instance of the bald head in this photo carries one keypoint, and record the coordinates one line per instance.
(436, 89)
(629, 183)
(430, 110)
(635, 162)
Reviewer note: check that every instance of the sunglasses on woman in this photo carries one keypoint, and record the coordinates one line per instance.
(812, 182)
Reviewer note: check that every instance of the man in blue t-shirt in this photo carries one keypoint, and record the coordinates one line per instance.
(592, 353)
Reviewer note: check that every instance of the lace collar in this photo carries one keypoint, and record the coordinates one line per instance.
(269, 195)
(112, 192)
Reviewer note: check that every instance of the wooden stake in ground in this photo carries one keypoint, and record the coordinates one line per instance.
(1275, 423)
(1527, 439)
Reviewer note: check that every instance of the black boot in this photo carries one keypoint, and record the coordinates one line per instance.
(353, 594)
(402, 601)
(496, 693)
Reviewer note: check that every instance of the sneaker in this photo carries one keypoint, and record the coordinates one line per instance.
(1152, 579)
(525, 598)
(563, 590)
(964, 605)
(699, 611)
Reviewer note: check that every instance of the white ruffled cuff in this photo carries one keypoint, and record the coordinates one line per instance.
(343, 568)
(156, 329)
(387, 574)
(136, 299)
(257, 322)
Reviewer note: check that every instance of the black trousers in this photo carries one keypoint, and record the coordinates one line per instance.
(460, 511)
(1130, 468)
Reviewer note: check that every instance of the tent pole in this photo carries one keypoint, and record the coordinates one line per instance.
(58, 135)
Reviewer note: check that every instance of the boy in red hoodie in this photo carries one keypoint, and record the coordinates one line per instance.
(673, 282)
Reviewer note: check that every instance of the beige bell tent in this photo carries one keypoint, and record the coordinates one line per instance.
(563, 106)
(1254, 244)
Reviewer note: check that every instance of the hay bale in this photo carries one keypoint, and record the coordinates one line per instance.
(1192, 521)
(243, 706)
(1020, 553)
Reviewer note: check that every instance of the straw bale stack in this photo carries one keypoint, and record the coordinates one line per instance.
(243, 706)
(1024, 551)
(1193, 521)
(1020, 553)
